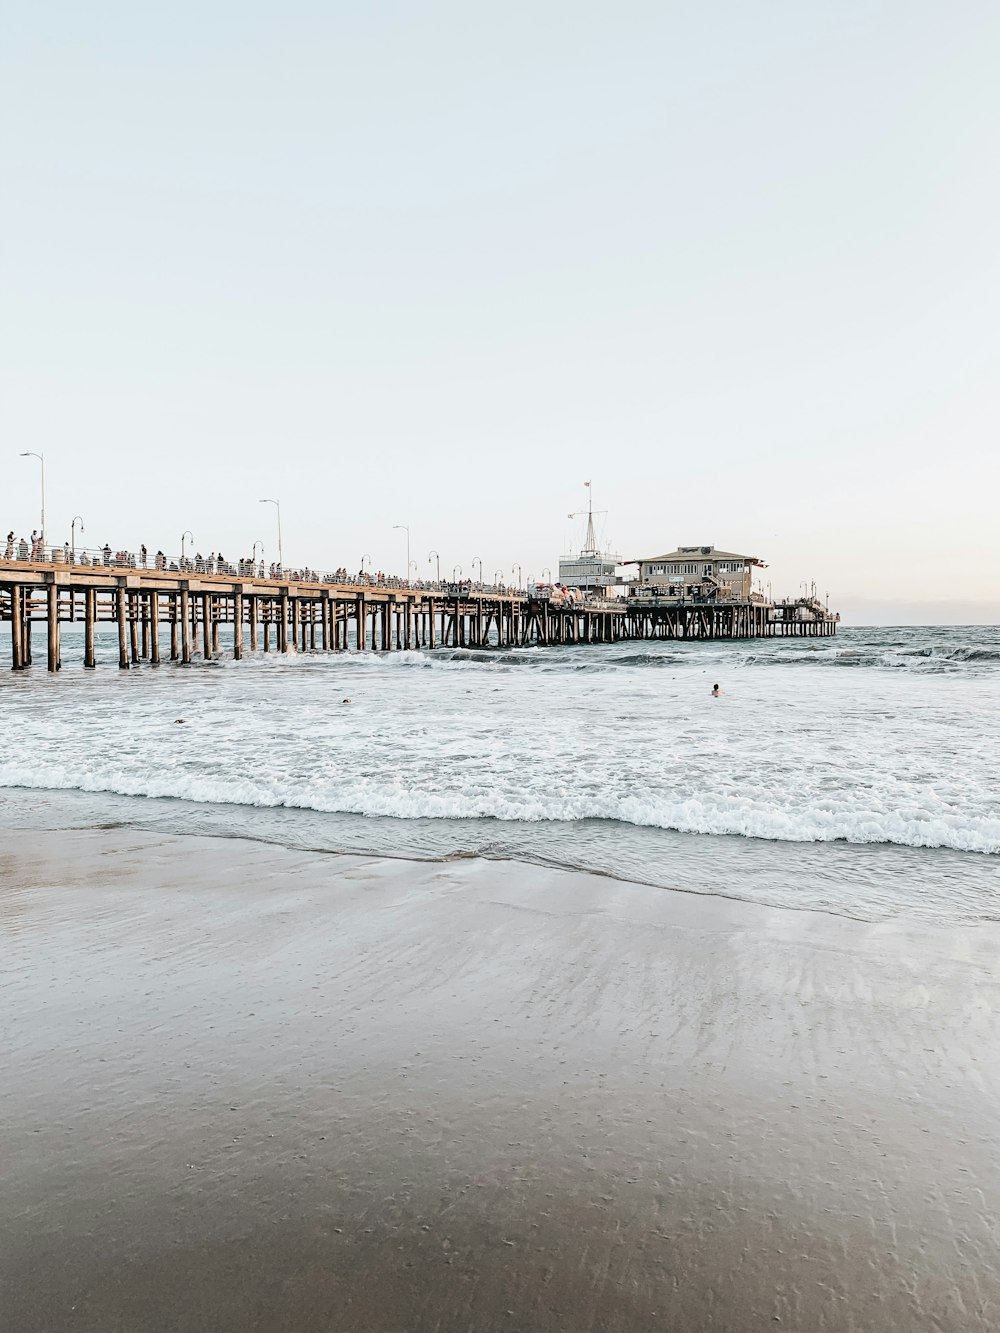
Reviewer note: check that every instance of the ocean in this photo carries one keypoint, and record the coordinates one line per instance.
(855, 775)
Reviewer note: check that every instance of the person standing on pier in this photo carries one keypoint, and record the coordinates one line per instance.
(9, 553)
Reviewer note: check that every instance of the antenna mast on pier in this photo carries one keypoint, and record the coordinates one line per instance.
(590, 541)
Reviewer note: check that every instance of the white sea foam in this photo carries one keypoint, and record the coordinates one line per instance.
(788, 753)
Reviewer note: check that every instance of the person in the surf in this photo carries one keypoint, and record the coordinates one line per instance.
(716, 691)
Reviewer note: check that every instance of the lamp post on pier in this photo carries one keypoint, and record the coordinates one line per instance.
(476, 560)
(277, 505)
(253, 556)
(498, 578)
(548, 571)
(438, 559)
(516, 566)
(183, 536)
(72, 538)
(456, 573)
(402, 527)
(41, 458)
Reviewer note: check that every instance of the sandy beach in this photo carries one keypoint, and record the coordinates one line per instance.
(253, 1089)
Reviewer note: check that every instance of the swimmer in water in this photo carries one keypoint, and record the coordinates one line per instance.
(715, 691)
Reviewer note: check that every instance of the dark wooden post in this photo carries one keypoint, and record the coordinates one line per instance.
(362, 627)
(283, 621)
(174, 628)
(144, 600)
(154, 627)
(253, 622)
(89, 622)
(206, 626)
(237, 625)
(185, 626)
(53, 627)
(16, 629)
(121, 616)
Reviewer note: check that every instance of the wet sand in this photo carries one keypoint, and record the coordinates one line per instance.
(252, 1089)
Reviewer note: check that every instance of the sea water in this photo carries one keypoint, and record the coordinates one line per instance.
(858, 774)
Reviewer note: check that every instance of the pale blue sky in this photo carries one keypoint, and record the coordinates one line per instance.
(437, 264)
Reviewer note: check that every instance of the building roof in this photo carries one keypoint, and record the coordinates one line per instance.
(696, 553)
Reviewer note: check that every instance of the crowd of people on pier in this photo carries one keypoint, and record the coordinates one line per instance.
(33, 550)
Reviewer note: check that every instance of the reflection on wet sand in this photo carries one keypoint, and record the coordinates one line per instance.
(248, 1088)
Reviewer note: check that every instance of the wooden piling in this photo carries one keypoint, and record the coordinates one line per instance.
(206, 626)
(154, 627)
(53, 627)
(283, 622)
(16, 628)
(185, 627)
(89, 625)
(122, 616)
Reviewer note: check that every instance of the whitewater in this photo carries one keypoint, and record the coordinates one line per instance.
(855, 774)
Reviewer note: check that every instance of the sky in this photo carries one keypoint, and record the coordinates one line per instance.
(437, 264)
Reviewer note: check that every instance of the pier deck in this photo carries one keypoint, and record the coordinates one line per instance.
(160, 612)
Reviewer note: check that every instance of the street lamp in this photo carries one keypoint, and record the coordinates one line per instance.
(183, 535)
(41, 459)
(474, 559)
(277, 505)
(438, 559)
(401, 527)
(456, 573)
(516, 566)
(548, 571)
(365, 557)
(72, 538)
(253, 556)
(498, 578)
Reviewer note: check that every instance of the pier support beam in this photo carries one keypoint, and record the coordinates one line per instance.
(16, 628)
(154, 628)
(185, 627)
(89, 624)
(206, 626)
(55, 661)
(121, 615)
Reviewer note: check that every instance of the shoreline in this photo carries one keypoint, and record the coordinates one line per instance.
(257, 1088)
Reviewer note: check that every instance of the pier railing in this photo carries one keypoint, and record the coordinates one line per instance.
(103, 558)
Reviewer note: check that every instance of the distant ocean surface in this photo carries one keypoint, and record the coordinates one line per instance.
(858, 775)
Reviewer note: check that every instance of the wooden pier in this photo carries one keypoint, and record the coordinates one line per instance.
(163, 614)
